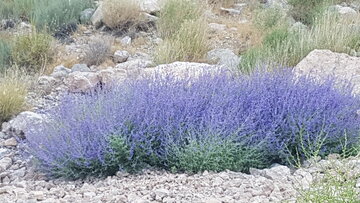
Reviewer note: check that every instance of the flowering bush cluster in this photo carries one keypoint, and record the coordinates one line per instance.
(211, 123)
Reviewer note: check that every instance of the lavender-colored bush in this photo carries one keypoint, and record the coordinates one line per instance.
(284, 118)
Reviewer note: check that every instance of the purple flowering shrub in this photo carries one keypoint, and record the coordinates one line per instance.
(211, 123)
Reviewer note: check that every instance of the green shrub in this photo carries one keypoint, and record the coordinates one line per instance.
(49, 14)
(5, 54)
(176, 12)
(12, 97)
(307, 11)
(32, 51)
(189, 44)
(213, 154)
(266, 19)
(276, 37)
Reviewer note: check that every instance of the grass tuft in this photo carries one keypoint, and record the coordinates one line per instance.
(281, 47)
(176, 12)
(189, 44)
(12, 96)
(33, 51)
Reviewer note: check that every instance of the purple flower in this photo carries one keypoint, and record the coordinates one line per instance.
(283, 115)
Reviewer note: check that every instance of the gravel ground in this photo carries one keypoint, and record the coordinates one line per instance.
(20, 182)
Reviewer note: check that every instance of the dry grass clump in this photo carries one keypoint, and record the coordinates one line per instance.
(189, 44)
(33, 51)
(118, 13)
(184, 30)
(176, 12)
(97, 51)
(12, 96)
(287, 48)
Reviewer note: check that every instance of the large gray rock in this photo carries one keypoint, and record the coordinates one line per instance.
(321, 64)
(181, 70)
(98, 16)
(149, 6)
(85, 15)
(60, 72)
(134, 64)
(344, 11)
(112, 75)
(121, 56)
(24, 121)
(223, 57)
(81, 81)
(47, 83)
(80, 68)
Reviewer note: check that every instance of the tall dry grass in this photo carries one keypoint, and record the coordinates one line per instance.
(330, 31)
(13, 90)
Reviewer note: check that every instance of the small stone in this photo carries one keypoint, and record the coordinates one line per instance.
(60, 72)
(11, 142)
(19, 172)
(217, 27)
(3, 152)
(212, 200)
(231, 11)
(161, 193)
(80, 68)
(158, 41)
(217, 181)
(169, 200)
(5, 163)
(126, 41)
(6, 180)
(89, 195)
(121, 56)
(333, 156)
(38, 195)
(7, 23)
